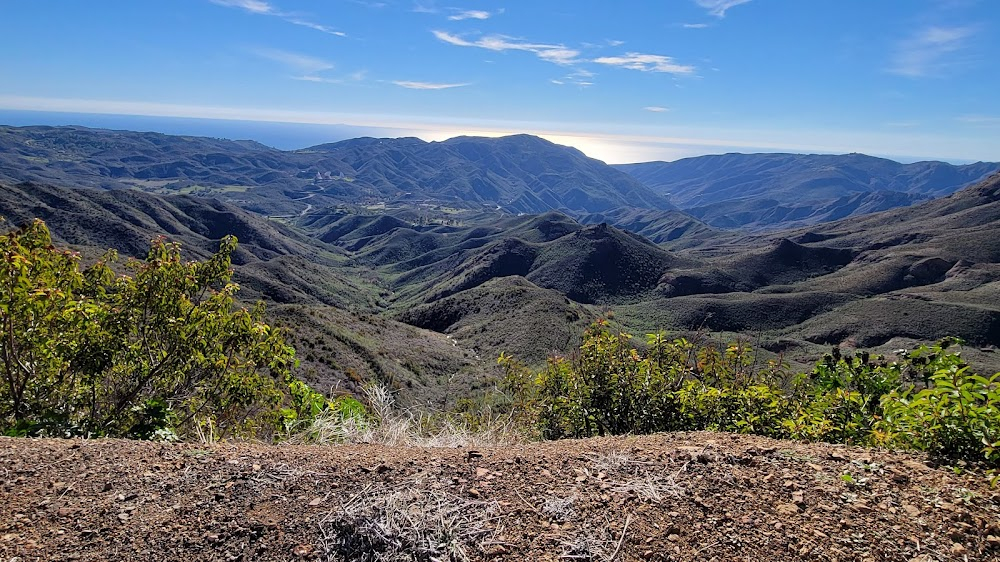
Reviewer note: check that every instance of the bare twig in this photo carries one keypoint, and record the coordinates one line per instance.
(628, 519)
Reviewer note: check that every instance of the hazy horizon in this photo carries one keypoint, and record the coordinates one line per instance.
(294, 136)
(623, 83)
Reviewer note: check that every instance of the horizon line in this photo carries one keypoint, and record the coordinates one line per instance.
(610, 147)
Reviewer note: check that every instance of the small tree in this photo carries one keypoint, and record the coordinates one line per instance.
(162, 348)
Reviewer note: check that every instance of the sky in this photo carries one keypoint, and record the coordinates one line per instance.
(622, 81)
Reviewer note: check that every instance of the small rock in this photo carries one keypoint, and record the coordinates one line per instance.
(673, 538)
(474, 492)
(302, 550)
(315, 501)
(992, 539)
(910, 510)
(481, 472)
(917, 465)
(958, 549)
(787, 509)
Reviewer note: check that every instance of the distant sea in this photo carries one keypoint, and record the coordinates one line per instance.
(286, 136)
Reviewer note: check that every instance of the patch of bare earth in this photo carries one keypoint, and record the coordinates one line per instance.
(683, 496)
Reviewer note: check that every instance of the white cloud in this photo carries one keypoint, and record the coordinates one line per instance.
(656, 109)
(261, 7)
(473, 14)
(470, 15)
(558, 54)
(426, 85)
(318, 79)
(615, 42)
(694, 25)
(646, 63)
(254, 6)
(925, 53)
(302, 63)
(579, 77)
(316, 26)
(718, 8)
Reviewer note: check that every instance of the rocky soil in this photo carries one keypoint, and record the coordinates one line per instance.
(684, 496)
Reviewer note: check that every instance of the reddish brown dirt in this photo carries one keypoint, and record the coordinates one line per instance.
(684, 496)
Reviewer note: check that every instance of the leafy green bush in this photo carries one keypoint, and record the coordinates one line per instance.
(158, 352)
(612, 388)
(956, 415)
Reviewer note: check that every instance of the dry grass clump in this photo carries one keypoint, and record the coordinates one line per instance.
(410, 524)
(387, 425)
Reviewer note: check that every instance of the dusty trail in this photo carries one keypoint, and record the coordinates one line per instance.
(685, 496)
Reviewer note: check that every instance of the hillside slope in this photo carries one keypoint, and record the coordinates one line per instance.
(684, 496)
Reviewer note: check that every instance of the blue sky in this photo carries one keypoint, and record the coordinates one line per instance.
(622, 81)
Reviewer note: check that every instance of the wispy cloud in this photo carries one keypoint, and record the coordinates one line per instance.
(647, 63)
(299, 62)
(980, 120)
(261, 7)
(352, 77)
(656, 109)
(718, 8)
(615, 42)
(694, 25)
(254, 6)
(579, 77)
(558, 54)
(420, 8)
(926, 53)
(426, 85)
(460, 15)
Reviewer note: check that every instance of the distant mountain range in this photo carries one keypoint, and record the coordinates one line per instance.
(782, 190)
(515, 174)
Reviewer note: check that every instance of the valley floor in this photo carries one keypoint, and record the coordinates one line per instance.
(683, 496)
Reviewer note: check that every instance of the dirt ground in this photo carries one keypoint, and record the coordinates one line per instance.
(682, 496)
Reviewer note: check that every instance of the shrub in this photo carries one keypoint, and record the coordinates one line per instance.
(956, 415)
(610, 388)
(161, 350)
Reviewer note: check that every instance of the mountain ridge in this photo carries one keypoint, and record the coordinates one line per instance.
(771, 190)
